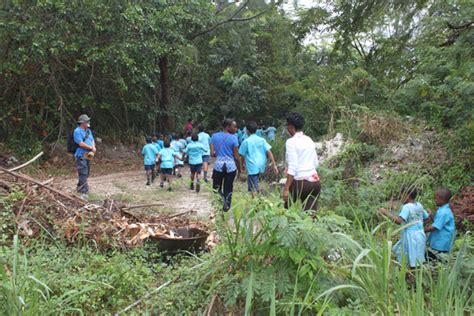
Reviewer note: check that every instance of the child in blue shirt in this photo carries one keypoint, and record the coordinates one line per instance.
(149, 153)
(412, 241)
(205, 140)
(178, 148)
(167, 157)
(442, 230)
(195, 151)
(253, 155)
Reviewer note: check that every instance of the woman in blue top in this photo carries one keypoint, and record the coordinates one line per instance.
(225, 147)
(412, 241)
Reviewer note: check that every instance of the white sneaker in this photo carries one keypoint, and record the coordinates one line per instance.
(85, 196)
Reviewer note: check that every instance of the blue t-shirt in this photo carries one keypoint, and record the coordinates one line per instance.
(195, 151)
(413, 213)
(443, 237)
(167, 158)
(205, 140)
(254, 149)
(259, 132)
(271, 131)
(157, 145)
(149, 153)
(161, 143)
(79, 137)
(224, 145)
(188, 140)
(178, 148)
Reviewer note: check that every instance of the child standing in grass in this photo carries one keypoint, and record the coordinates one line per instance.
(412, 241)
(442, 230)
(253, 154)
(149, 153)
(195, 151)
(167, 157)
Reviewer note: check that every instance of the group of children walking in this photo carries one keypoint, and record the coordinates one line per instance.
(166, 156)
(411, 248)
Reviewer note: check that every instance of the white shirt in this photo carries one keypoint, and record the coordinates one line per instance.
(301, 156)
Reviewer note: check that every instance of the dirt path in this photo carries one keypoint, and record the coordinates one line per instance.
(129, 186)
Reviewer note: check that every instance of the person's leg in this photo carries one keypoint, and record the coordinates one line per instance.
(205, 166)
(148, 175)
(193, 175)
(163, 178)
(198, 178)
(153, 173)
(88, 164)
(170, 181)
(228, 188)
(310, 194)
(252, 181)
(82, 173)
(217, 180)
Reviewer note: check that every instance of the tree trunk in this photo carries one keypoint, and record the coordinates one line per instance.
(167, 121)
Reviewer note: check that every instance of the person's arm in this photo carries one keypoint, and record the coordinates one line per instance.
(291, 160)
(158, 157)
(242, 163)
(438, 222)
(272, 159)
(397, 219)
(237, 158)
(213, 152)
(79, 140)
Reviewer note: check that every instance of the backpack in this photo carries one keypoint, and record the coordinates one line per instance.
(71, 144)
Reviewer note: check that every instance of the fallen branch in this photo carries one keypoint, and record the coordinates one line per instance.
(45, 186)
(26, 163)
(180, 214)
(131, 207)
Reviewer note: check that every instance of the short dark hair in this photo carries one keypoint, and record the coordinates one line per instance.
(444, 193)
(190, 119)
(252, 127)
(176, 136)
(227, 122)
(295, 119)
(167, 144)
(148, 139)
(189, 132)
(195, 137)
(201, 128)
(412, 193)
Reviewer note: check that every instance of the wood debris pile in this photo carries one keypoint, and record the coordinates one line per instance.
(39, 208)
(463, 207)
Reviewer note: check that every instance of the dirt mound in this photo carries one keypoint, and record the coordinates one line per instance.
(463, 208)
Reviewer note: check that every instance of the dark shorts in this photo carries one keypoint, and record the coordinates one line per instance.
(253, 181)
(305, 191)
(149, 167)
(179, 166)
(167, 171)
(206, 158)
(196, 168)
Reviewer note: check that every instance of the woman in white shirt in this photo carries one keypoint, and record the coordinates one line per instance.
(302, 181)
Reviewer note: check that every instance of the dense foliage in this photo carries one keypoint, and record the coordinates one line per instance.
(150, 65)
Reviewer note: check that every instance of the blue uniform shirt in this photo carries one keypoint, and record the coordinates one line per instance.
(205, 139)
(79, 135)
(178, 148)
(157, 145)
(413, 212)
(149, 153)
(195, 151)
(259, 132)
(254, 149)
(443, 237)
(167, 158)
(271, 131)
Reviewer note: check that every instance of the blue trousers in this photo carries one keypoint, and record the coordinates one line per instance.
(83, 169)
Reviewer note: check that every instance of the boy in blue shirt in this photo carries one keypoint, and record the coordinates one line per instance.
(149, 153)
(442, 230)
(178, 148)
(254, 151)
(195, 151)
(205, 140)
(270, 132)
(167, 157)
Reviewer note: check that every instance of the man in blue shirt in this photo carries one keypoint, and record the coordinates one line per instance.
(205, 140)
(195, 151)
(84, 153)
(254, 151)
(443, 229)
